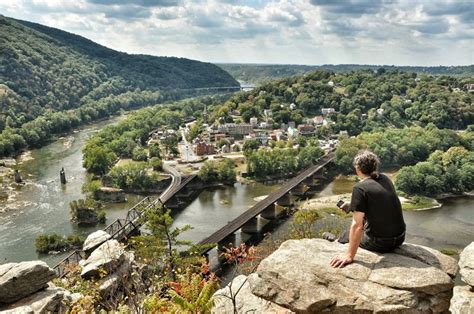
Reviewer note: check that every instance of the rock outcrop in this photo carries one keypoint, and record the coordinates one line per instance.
(107, 257)
(95, 239)
(49, 300)
(463, 300)
(18, 280)
(298, 277)
(463, 296)
(466, 263)
(246, 302)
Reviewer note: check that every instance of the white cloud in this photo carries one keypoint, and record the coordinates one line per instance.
(415, 32)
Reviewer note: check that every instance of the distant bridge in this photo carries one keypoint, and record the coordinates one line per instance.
(247, 221)
(226, 89)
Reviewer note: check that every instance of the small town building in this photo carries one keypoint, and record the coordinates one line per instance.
(225, 149)
(318, 120)
(155, 134)
(219, 136)
(469, 88)
(236, 130)
(292, 132)
(254, 122)
(306, 129)
(202, 148)
(344, 134)
(268, 113)
(326, 111)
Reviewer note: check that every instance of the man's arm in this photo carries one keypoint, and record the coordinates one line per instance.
(355, 236)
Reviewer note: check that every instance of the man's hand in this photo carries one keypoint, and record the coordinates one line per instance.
(340, 261)
(345, 207)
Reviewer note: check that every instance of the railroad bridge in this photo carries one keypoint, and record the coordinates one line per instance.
(174, 196)
(253, 220)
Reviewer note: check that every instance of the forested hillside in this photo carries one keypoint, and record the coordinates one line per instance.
(48, 75)
(260, 73)
(362, 100)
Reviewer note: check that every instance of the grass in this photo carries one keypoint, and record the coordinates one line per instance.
(449, 251)
(420, 202)
(335, 211)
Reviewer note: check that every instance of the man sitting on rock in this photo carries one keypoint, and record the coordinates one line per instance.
(374, 201)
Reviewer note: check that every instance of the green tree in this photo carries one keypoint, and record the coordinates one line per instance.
(139, 154)
(98, 160)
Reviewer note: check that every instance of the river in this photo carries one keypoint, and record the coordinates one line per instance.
(42, 205)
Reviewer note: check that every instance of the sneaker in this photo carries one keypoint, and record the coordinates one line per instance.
(329, 236)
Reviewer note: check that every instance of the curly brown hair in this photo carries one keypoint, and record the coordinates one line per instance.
(368, 163)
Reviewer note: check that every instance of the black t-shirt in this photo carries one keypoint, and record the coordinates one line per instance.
(379, 201)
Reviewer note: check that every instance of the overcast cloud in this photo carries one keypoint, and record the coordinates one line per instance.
(403, 32)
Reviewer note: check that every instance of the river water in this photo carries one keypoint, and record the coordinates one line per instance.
(42, 205)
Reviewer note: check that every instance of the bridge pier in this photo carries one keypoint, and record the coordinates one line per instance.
(310, 182)
(228, 241)
(254, 225)
(284, 201)
(299, 190)
(272, 212)
(174, 203)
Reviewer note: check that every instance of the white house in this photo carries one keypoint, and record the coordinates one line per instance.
(326, 111)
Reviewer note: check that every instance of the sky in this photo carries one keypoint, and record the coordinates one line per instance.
(400, 32)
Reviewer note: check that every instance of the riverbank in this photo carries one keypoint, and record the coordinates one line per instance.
(407, 203)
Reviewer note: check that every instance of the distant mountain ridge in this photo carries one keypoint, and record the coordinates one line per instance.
(44, 71)
(37, 60)
(259, 73)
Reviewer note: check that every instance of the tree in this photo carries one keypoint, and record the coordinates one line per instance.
(226, 172)
(98, 160)
(139, 154)
(154, 150)
(208, 172)
(160, 246)
(250, 145)
(156, 163)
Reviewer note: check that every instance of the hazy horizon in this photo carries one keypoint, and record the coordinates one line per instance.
(296, 32)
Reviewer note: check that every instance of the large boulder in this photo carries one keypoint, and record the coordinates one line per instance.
(246, 302)
(18, 280)
(104, 260)
(466, 263)
(113, 282)
(95, 239)
(49, 300)
(298, 277)
(463, 300)
(429, 256)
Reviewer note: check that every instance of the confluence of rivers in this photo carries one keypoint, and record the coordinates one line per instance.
(42, 205)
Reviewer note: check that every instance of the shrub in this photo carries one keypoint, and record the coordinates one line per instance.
(156, 163)
(45, 243)
(139, 154)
